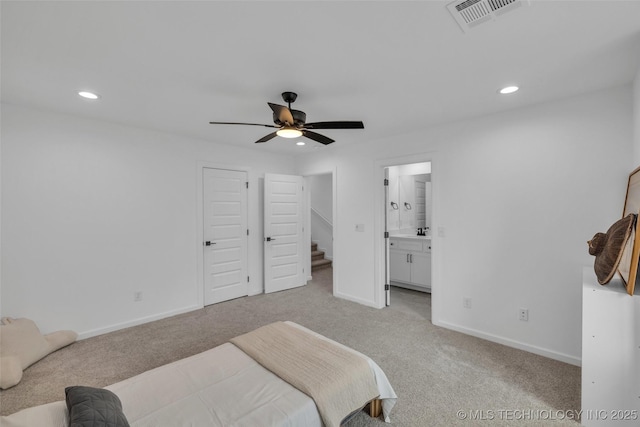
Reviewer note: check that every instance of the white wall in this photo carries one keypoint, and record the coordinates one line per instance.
(321, 194)
(636, 118)
(93, 212)
(518, 194)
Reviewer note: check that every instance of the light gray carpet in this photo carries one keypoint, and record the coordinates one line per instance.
(435, 372)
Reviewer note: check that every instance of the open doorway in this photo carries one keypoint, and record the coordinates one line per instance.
(321, 228)
(408, 223)
(417, 256)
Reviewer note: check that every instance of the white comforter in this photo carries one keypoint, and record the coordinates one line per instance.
(221, 387)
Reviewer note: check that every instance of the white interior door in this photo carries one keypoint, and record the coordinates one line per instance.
(225, 242)
(283, 232)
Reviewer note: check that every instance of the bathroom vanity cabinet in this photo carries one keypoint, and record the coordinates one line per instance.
(410, 262)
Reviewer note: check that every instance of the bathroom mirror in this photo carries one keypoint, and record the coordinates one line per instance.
(410, 197)
(412, 191)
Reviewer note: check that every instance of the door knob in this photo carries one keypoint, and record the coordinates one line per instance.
(208, 243)
(269, 239)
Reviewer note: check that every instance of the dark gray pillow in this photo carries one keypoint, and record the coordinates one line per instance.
(94, 407)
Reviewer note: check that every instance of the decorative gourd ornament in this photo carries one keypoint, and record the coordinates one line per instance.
(608, 247)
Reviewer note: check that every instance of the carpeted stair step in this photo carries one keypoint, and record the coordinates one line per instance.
(317, 255)
(320, 264)
(318, 261)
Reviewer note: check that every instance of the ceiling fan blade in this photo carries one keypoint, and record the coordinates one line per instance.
(236, 123)
(335, 125)
(317, 137)
(267, 137)
(282, 113)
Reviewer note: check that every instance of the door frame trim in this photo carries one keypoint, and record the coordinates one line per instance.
(379, 227)
(201, 165)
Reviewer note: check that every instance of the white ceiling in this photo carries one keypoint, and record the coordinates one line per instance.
(398, 66)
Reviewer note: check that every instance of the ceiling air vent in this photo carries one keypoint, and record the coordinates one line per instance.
(470, 13)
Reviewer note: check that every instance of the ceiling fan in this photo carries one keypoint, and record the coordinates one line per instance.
(292, 123)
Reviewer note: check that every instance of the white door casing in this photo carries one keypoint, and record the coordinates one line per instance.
(388, 260)
(283, 232)
(225, 235)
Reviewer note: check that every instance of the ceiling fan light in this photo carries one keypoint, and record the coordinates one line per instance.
(288, 132)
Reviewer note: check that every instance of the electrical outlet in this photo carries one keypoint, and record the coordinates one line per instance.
(466, 302)
(523, 314)
(137, 296)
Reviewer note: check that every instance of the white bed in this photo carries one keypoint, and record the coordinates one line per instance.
(221, 387)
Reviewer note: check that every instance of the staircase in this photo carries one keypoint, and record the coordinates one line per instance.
(318, 261)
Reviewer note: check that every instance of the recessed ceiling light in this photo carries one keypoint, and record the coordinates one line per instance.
(300, 143)
(88, 95)
(509, 89)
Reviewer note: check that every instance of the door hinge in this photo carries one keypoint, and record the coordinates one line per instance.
(247, 279)
(387, 287)
(247, 184)
(386, 182)
(247, 231)
(386, 234)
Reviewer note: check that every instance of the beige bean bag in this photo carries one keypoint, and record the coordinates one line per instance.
(22, 344)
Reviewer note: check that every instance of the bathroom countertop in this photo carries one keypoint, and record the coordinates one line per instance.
(409, 236)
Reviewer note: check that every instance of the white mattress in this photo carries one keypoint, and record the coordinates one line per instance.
(221, 387)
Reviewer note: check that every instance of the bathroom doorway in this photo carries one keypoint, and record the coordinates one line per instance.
(407, 216)
(408, 223)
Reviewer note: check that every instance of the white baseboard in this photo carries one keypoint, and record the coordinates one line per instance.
(356, 299)
(572, 360)
(135, 322)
